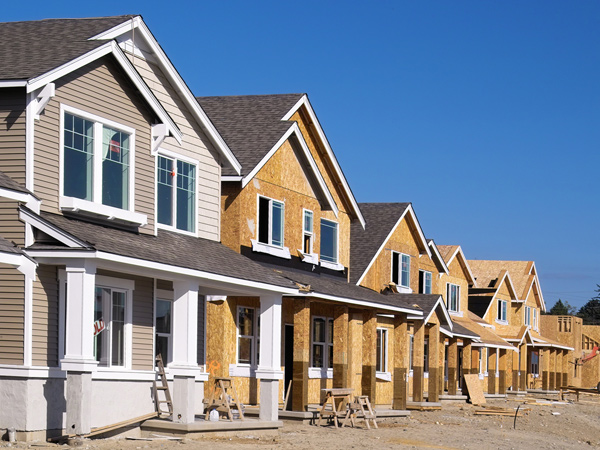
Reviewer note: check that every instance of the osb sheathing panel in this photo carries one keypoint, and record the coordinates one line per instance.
(385, 389)
(592, 331)
(458, 277)
(355, 352)
(282, 178)
(403, 240)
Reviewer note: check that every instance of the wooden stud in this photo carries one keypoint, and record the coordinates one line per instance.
(340, 346)
(434, 363)
(491, 370)
(418, 355)
(545, 363)
(452, 365)
(301, 355)
(401, 361)
(369, 380)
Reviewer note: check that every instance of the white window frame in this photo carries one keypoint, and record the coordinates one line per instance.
(425, 274)
(502, 305)
(535, 321)
(261, 247)
(449, 286)
(254, 356)
(167, 296)
(329, 264)
(527, 320)
(411, 346)
(95, 205)
(325, 371)
(308, 257)
(401, 287)
(383, 336)
(176, 156)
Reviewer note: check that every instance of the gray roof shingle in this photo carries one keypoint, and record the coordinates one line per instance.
(168, 247)
(250, 124)
(7, 182)
(33, 48)
(8, 247)
(380, 218)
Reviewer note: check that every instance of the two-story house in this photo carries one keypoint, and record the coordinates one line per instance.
(291, 209)
(111, 191)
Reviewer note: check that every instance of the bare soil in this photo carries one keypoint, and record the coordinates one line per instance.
(543, 426)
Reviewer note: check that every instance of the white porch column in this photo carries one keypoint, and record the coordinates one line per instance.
(269, 367)
(185, 350)
(79, 361)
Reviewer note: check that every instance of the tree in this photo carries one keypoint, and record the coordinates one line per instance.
(561, 308)
(590, 312)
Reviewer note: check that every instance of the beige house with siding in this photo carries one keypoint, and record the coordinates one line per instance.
(110, 189)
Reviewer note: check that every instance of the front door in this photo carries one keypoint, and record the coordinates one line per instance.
(288, 362)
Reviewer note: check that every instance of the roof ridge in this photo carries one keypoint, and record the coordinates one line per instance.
(50, 19)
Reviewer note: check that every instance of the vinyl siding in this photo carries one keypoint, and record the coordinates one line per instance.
(99, 88)
(11, 228)
(194, 145)
(12, 133)
(12, 294)
(45, 317)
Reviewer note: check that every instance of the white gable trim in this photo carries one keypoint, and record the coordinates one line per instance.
(177, 82)
(470, 273)
(12, 83)
(440, 302)
(295, 129)
(51, 230)
(436, 252)
(108, 48)
(23, 197)
(408, 210)
(510, 287)
(304, 101)
(533, 271)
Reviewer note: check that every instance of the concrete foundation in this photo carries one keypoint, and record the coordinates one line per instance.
(269, 400)
(183, 399)
(79, 403)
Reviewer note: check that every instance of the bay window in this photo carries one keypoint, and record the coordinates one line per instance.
(176, 194)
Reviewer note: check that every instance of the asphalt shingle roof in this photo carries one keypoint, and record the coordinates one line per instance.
(199, 254)
(8, 247)
(337, 286)
(380, 218)
(422, 302)
(7, 182)
(250, 125)
(36, 47)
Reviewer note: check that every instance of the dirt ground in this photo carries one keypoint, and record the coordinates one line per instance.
(542, 426)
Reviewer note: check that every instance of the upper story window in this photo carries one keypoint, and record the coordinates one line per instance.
(307, 232)
(382, 350)
(527, 315)
(453, 297)
(322, 342)
(97, 166)
(176, 194)
(535, 326)
(502, 311)
(401, 269)
(248, 336)
(424, 282)
(270, 221)
(329, 241)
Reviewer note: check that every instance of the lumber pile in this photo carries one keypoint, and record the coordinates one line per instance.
(497, 411)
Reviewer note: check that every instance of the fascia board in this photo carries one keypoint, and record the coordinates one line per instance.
(37, 222)
(338, 170)
(11, 259)
(466, 265)
(118, 30)
(414, 218)
(235, 178)
(368, 304)
(18, 196)
(440, 303)
(134, 76)
(12, 83)
(180, 86)
(436, 252)
(533, 271)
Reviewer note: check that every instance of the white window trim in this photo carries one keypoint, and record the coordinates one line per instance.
(401, 288)
(246, 369)
(527, 316)
(325, 371)
(269, 244)
(505, 320)
(430, 279)
(95, 206)
(384, 375)
(448, 304)
(311, 233)
(328, 264)
(164, 295)
(176, 156)
(270, 249)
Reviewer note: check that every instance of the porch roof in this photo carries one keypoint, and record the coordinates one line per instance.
(339, 288)
(486, 336)
(8, 247)
(167, 247)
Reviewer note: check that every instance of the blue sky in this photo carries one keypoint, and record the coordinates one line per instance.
(483, 114)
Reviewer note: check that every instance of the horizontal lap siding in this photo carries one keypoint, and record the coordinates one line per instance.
(12, 294)
(45, 317)
(12, 133)
(99, 88)
(11, 228)
(195, 145)
(143, 320)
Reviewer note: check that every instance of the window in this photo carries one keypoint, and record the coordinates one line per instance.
(401, 269)
(248, 336)
(527, 315)
(329, 241)
(322, 343)
(112, 308)
(535, 363)
(483, 362)
(426, 356)
(424, 282)
(270, 222)
(382, 346)
(453, 297)
(502, 305)
(307, 232)
(163, 330)
(410, 356)
(176, 194)
(97, 156)
(534, 318)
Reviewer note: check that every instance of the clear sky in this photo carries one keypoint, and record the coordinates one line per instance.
(484, 114)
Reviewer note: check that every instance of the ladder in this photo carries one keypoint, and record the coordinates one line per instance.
(164, 387)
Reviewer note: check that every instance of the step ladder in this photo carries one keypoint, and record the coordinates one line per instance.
(361, 408)
(223, 398)
(163, 387)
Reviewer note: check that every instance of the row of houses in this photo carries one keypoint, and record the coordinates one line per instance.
(220, 232)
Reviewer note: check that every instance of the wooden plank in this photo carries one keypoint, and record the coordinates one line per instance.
(474, 389)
